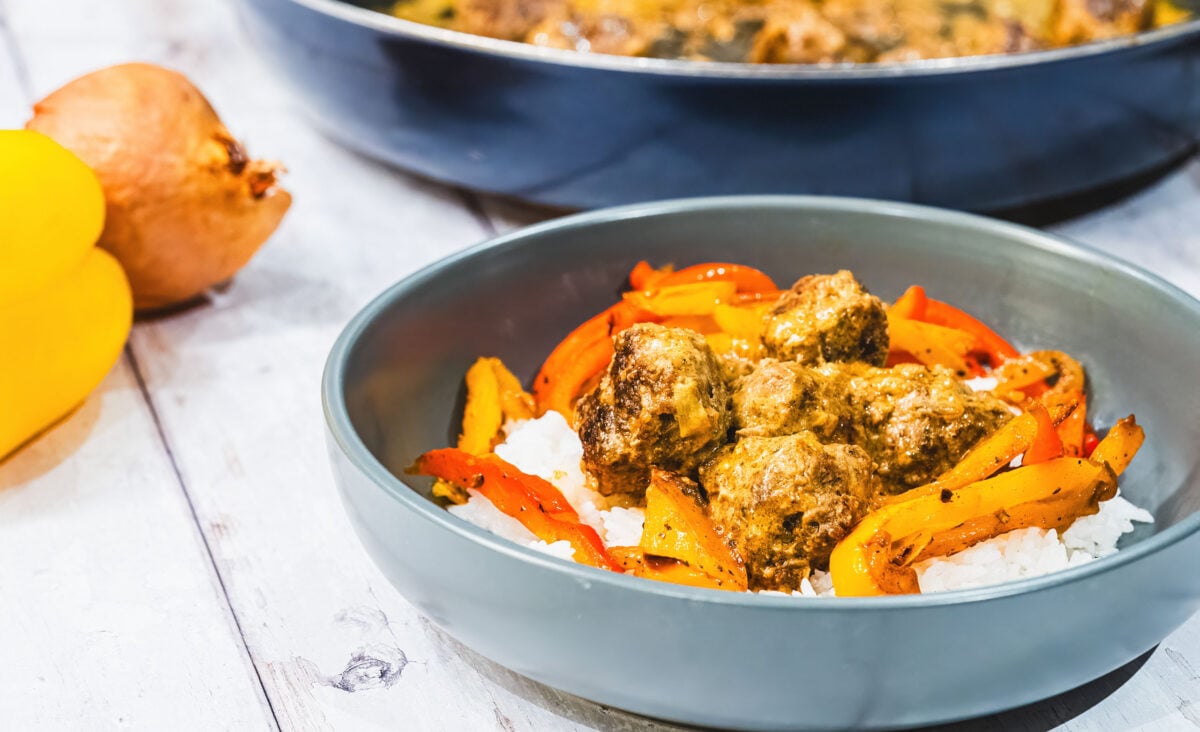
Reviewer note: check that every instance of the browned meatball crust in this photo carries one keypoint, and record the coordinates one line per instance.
(914, 422)
(827, 318)
(786, 502)
(661, 403)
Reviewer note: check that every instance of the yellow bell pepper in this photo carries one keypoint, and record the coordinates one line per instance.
(65, 305)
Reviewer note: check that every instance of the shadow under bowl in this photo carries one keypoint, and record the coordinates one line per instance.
(392, 390)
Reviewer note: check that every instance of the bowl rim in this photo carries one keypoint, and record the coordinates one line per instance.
(391, 25)
(343, 434)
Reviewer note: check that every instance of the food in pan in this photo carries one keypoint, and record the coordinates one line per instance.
(712, 430)
(795, 31)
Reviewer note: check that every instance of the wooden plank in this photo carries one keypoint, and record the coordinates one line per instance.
(113, 614)
(235, 383)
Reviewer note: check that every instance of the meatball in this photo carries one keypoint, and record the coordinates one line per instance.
(914, 422)
(661, 403)
(786, 502)
(827, 318)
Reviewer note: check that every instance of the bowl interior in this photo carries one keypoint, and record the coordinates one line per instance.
(518, 296)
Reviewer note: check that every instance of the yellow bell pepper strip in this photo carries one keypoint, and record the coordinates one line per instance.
(677, 527)
(990, 455)
(745, 323)
(693, 298)
(661, 569)
(537, 504)
(1022, 377)
(1119, 446)
(65, 305)
(910, 305)
(984, 460)
(876, 557)
(702, 324)
(482, 415)
(494, 395)
(515, 402)
(932, 345)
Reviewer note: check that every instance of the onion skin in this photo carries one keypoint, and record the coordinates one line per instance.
(185, 206)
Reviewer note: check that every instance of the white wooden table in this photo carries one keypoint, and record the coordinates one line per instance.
(173, 556)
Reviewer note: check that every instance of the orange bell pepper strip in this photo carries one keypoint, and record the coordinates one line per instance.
(988, 341)
(1072, 430)
(910, 305)
(747, 279)
(693, 298)
(1119, 446)
(876, 557)
(580, 356)
(660, 569)
(677, 527)
(536, 503)
(561, 389)
(643, 276)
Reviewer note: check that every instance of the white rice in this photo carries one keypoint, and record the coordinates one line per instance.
(549, 448)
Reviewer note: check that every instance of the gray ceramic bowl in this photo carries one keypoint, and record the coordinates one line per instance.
(392, 390)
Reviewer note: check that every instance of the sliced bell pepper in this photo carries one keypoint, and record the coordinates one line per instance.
(643, 276)
(988, 342)
(693, 298)
(702, 324)
(747, 279)
(580, 356)
(1046, 445)
(932, 345)
(1073, 429)
(677, 527)
(985, 459)
(482, 415)
(515, 402)
(910, 305)
(1024, 374)
(639, 564)
(745, 323)
(876, 557)
(764, 297)
(1119, 446)
(536, 503)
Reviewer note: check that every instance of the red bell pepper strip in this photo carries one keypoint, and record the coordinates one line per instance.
(536, 503)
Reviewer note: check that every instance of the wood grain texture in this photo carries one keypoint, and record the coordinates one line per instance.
(112, 614)
(234, 384)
